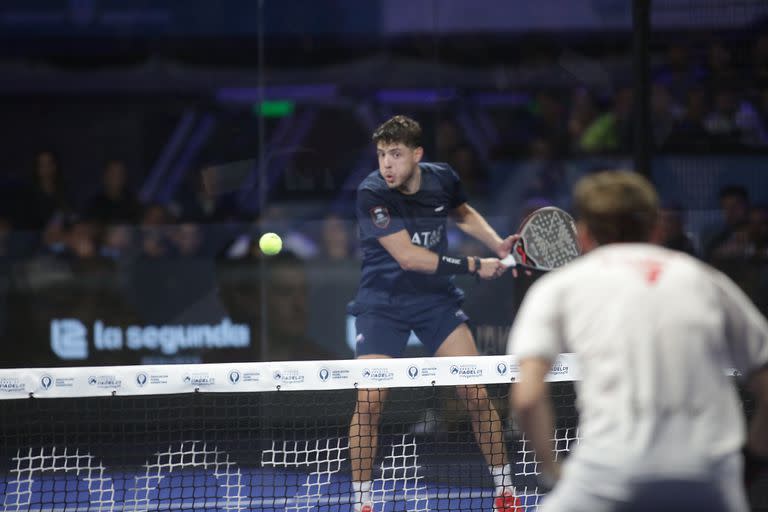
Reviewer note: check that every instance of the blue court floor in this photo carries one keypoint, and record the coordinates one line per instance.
(252, 489)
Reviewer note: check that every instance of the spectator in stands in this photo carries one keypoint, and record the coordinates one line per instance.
(611, 131)
(116, 203)
(670, 232)
(733, 123)
(548, 174)
(690, 133)
(665, 114)
(679, 74)
(720, 69)
(550, 123)
(81, 240)
(335, 239)
(187, 239)
(45, 197)
(730, 239)
(583, 113)
(154, 225)
(117, 241)
(208, 203)
(76, 242)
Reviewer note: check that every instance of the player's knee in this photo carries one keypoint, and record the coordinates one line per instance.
(370, 403)
(475, 397)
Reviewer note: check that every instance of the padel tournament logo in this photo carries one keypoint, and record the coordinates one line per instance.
(559, 368)
(105, 381)
(466, 371)
(378, 374)
(70, 338)
(199, 379)
(288, 376)
(12, 385)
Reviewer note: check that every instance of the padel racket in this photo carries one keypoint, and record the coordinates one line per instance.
(547, 241)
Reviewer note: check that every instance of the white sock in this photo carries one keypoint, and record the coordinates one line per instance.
(502, 478)
(361, 492)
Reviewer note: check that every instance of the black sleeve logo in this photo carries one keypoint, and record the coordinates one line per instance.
(380, 216)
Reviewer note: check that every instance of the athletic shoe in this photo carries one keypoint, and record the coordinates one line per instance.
(507, 502)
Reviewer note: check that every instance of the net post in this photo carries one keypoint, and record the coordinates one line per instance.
(641, 35)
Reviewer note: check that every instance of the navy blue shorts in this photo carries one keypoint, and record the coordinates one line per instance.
(385, 330)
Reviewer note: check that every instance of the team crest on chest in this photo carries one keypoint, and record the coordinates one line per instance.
(380, 216)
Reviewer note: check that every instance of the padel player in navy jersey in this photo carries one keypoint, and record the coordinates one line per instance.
(407, 285)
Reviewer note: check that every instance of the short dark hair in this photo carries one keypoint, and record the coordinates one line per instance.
(617, 206)
(399, 129)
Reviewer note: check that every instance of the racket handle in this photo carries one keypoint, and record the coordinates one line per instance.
(509, 261)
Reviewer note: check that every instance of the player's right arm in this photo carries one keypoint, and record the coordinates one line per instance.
(380, 219)
(414, 258)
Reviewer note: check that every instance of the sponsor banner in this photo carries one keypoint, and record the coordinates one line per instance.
(73, 340)
(261, 377)
(563, 369)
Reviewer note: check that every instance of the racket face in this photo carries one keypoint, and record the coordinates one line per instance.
(547, 239)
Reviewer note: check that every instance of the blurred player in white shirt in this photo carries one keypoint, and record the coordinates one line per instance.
(661, 425)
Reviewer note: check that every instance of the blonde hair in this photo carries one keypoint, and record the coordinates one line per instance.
(616, 206)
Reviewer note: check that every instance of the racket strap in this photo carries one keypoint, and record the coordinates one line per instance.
(523, 255)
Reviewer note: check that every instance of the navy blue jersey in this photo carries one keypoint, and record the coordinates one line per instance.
(382, 211)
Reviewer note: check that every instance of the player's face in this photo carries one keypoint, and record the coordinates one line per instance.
(398, 163)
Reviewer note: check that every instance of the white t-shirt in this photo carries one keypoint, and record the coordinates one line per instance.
(653, 331)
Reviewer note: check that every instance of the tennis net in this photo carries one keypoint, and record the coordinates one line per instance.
(259, 436)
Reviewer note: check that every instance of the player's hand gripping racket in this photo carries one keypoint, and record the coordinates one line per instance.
(547, 241)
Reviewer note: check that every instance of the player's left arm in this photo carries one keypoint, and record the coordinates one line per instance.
(536, 338)
(472, 223)
(533, 410)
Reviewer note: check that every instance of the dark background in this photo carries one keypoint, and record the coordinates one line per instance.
(228, 120)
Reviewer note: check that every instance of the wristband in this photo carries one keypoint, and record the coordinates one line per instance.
(450, 265)
(477, 265)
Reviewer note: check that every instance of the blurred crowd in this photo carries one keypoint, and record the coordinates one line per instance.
(42, 219)
(710, 98)
(191, 257)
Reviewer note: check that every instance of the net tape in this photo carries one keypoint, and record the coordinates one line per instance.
(263, 377)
